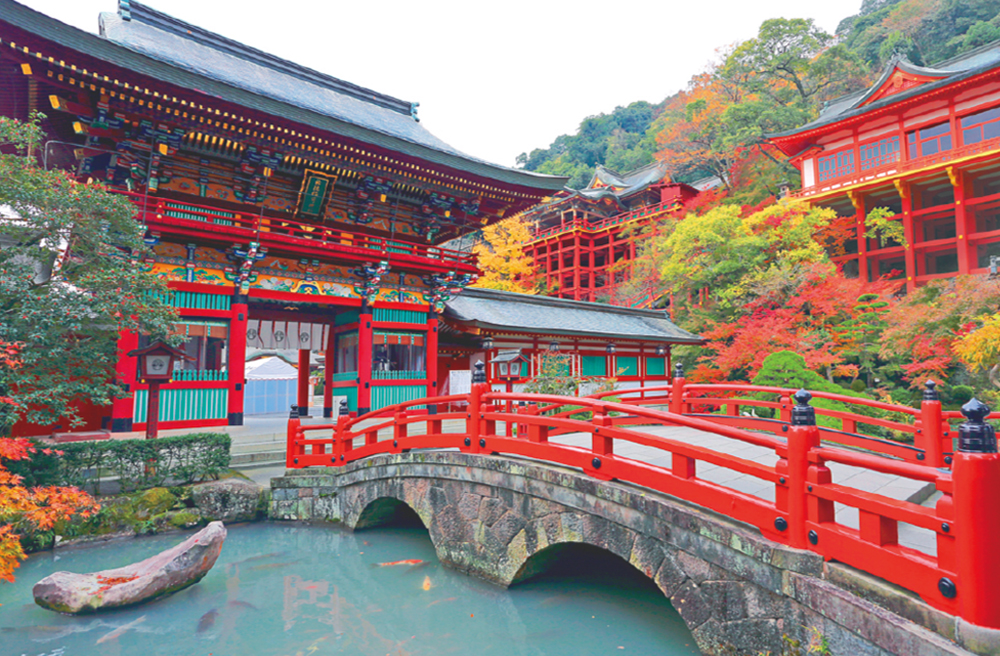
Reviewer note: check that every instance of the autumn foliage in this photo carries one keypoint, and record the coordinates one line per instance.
(502, 259)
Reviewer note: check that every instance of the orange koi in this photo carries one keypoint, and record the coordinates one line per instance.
(412, 561)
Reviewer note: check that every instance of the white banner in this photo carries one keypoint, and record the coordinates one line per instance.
(294, 335)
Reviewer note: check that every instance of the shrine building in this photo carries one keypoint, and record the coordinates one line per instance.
(579, 235)
(291, 210)
(924, 143)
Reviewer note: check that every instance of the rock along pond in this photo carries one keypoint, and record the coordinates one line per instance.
(284, 589)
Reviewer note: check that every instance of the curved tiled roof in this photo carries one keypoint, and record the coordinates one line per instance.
(525, 313)
(151, 43)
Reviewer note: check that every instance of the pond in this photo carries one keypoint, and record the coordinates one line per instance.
(287, 589)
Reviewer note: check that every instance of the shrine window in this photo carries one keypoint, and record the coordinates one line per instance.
(397, 351)
(877, 153)
(929, 141)
(981, 126)
(347, 353)
(836, 165)
(206, 344)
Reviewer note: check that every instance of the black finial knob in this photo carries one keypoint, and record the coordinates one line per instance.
(294, 414)
(974, 434)
(344, 409)
(803, 414)
(930, 391)
(678, 370)
(479, 375)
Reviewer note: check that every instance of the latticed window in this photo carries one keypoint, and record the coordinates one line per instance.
(929, 141)
(836, 165)
(877, 153)
(981, 126)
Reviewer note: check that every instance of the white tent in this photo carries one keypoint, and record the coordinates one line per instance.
(271, 387)
(270, 368)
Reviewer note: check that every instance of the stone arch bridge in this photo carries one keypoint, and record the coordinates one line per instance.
(504, 482)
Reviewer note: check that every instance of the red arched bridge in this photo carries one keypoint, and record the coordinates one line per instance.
(789, 467)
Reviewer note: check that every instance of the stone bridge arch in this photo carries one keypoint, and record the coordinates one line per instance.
(500, 518)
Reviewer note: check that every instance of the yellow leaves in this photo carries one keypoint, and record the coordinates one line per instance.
(502, 259)
(980, 349)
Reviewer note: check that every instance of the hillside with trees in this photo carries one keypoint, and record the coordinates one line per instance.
(775, 81)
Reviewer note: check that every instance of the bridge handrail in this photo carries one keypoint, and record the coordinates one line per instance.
(801, 514)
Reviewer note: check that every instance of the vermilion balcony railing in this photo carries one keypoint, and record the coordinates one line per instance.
(899, 167)
(641, 213)
(164, 214)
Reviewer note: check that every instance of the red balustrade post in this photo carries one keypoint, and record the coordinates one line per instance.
(537, 433)
(293, 449)
(976, 476)
(474, 424)
(677, 404)
(929, 428)
(803, 437)
(399, 430)
(602, 445)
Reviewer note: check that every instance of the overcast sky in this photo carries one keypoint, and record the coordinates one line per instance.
(493, 79)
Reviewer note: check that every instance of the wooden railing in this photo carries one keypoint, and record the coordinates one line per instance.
(900, 166)
(961, 578)
(625, 217)
(253, 226)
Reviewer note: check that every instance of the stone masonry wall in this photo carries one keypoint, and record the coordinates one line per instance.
(738, 592)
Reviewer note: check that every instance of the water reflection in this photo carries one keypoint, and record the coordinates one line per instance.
(283, 590)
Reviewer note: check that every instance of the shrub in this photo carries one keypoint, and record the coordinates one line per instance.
(959, 394)
(143, 464)
(858, 386)
(41, 470)
(157, 500)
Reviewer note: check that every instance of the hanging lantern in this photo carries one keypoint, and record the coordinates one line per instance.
(611, 348)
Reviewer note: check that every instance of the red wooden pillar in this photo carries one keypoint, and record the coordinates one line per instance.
(122, 409)
(909, 254)
(365, 360)
(432, 358)
(962, 228)
(576, 267)
(329, 361)
(304, 391)
(237, 358)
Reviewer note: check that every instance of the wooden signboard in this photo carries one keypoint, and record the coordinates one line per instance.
(314, 194)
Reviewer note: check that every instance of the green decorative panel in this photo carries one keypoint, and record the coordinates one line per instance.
(400, 316)
(345, 375)
(594, 365)
(656, 366)
(196, 300)
(185, 404)
(627, 366)
(344, 318)
(352, 397)
(182, 211)
(392, 394)
(200, 374)
(399, 375)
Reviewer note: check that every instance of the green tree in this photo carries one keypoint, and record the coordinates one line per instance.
(71, 278)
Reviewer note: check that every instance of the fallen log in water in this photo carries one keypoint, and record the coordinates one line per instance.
(161, 575)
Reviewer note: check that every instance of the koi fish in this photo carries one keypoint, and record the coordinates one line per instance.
(207, 621)
(272, 565)
(412, 561)
(427, 583)
(120, 630)
(241, 604)
(441, 601)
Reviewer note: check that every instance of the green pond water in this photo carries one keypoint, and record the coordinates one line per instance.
(310, 590)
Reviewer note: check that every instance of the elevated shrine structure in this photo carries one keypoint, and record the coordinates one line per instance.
(287, 209)
(581, 235)
(923, 142)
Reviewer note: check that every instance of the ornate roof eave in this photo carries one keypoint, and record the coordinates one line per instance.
(791, 141)
(90, 45)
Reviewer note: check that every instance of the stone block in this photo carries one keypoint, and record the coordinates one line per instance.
(691, 606)
(468, 506)
(977, 639)
(490, 510)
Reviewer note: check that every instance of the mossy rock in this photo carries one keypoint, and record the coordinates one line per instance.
(185, 519)
(156, 501)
